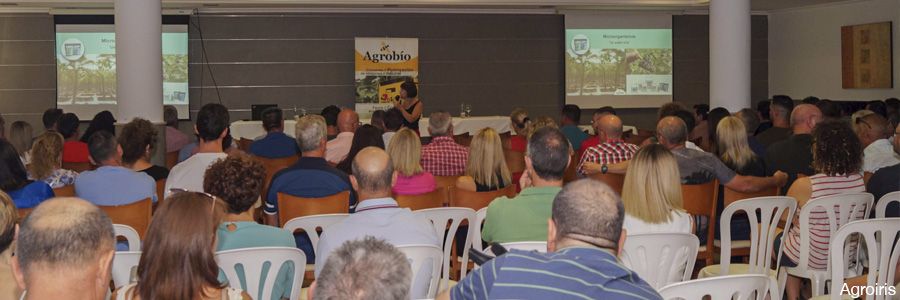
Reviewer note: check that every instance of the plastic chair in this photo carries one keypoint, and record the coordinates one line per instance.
(539, 246)
(741, 247)
(454, 215)
(616, 181)
(171, 159)
(515, 161)
(131, 236)
(654, 256)
(700, 200)
(432, 199)
(65, 191)
(735, 287)
(882, 262)
(418, 254)
(479, 221)
(253, 260)
(881, 207)
(135, 215)
(290, 207)
(124, 264)
(311, 224)
(78, 167)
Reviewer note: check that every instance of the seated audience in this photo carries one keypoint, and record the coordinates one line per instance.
(274, 144)
(885, 180)
(212, 130)
(64, 250)
(337, 149)
(571, 116)
(330, 113)
(177, 263)
(112, 184)
(443, 156)
(715, 115)
(793, 155)
(393, 121)
(406, 153)
(669, 109)
(74, 151)
(521, 125)
(102, 121)
(51, 118)
(238, 180)
(612, 149)
(365, 136)
(380, 272)
(878, 152)
(595, 122)
(878, 107)
(585, 238)
(893, 120)
(734, 150)
(9, 219)
(14, 180)
(830, 110)
(689, 122)
(524, 217)
(46, 163)
(700, 133)
(811, 100)
(854, 118)
(750, 118)
(20, 135)
(486, 167)
(765, 121)
(377, 120)
(138, 142)
(378, 215)
(780, 111)
(175, 139)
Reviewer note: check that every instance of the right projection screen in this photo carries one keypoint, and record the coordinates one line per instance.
(623, 61)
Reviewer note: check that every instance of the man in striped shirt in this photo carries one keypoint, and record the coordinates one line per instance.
(584, 240)
(612, 149)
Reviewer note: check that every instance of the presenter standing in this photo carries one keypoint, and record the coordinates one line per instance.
(409, 105)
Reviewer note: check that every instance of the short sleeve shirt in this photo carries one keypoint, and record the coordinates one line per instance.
(611, 152)
(75, 152)
(444, 157)
(700, 167)
(575, 135)
(275, 145)
(310, 177)
(523, 218)
(111, 186)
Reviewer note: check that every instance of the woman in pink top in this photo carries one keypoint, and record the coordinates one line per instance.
(406, 152)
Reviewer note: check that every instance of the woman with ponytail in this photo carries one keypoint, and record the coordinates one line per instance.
(46, 161)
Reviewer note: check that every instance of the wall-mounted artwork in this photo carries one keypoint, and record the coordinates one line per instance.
(866, 60)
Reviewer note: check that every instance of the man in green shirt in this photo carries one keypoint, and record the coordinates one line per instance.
(524, 218)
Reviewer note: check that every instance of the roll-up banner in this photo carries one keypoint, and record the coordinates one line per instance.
(382, 64)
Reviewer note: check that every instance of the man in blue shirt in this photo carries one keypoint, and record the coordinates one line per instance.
(585, 237)
(274, 144)
(112, 184)
(571, 115)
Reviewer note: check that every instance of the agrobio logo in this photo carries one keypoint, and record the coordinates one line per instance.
(387, 55)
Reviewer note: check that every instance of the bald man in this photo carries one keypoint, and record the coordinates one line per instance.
(82, 270)
(612, 148)
(377, 214)
(878, 152)
(336, 150)
(794, 155)
(595, 122)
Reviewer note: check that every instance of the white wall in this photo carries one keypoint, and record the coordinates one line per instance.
(805, 49)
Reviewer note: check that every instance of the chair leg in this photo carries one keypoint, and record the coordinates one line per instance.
(818, 285)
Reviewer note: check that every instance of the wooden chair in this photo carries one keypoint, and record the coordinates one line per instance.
(515, 161)
(646, 132)
(135, 215)
(244, 144)
(65, 191)
(478, 200)
(866, 176)
(571, 174)
(738, 247)
(616, 181)
(160, 190)
(432, 199)
(700, 200)
(273, 165)
(79, 167)
(636, 139)
(23, 212)
(462, 139)
(171, 159)
(290, 207)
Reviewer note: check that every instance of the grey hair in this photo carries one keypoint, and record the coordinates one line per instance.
(588, 208)
(64, 232)
(369, 269)
(676, 134)
(750, 119)
(170, 115)
(373, 181)
(440, 122)
(310, 130)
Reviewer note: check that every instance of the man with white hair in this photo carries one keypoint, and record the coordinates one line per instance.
(380, 272)
(443, 156)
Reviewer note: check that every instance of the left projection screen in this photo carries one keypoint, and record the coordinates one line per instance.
(86, 68)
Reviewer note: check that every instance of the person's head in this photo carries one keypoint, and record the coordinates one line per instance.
(51, 116)
(12, 171)
(409, 88)
(854, 118)
(836, 149)
(599, 114)
(20, 133)
(715, 115)
(609, 128)
(700, 112)
(9, 217)
(378, 119)
(668, 109)
(877, 106)
(405, 150)
(102, 121)
(486, 163)
(393, 120)
(520, 122)
(892, 104)
(871, 128)
(652, 187)
(272, 119)
(781, 107)
(212, 122)
(138, 140)
(587, 211)
(238, 180)
(65, 236)
(331, 115)
(811, 100)
(830, 109)
(440, 123)
(170, 115)
(543, 121)
(104, 149)
(750, 118)
(763, 108)
(311, 133)
(671, 132)
(380, 272)
(688, 118)
(46, 155)
(179, 258)
(571, 115)
(805, 117)
(896, 133)
(733, 148)
(373, 172)
(893, 119)
(366, 136)
(67, 125)
(348, 121)
(547, 154)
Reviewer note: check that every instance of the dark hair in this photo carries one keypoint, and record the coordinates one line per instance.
(811, 100)
(605, 110)
(12, 174)
(331, 113)
(410, 87)
(170, 115)
(830, 109)
(892, 104)
(377, 118)
(784, 102)
(688, 119)
(226, 141)
(103, 120)
(836, 149)
(67, 125)
(763, 108)
(548, 149)
(365, 136)
(134, 139)
(702, 110)
(212, 120)
(51, 115)
(393, 119)
(590, 209)
(572, 112)
(374, 182)
(238, 179)
(102, 146)
(272, 118)
(715, 115)
(893, 118)
(877, 106)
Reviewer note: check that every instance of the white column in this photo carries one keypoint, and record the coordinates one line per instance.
(729, 54)
(139, 60)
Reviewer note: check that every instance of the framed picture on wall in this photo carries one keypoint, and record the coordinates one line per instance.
(866, 58)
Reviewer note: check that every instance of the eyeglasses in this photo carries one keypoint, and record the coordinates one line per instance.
(174, 191)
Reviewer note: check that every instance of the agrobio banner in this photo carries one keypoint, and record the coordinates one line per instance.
(382, 64)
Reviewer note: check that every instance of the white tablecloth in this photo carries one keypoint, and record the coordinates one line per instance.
(625, 128)
(253, 129)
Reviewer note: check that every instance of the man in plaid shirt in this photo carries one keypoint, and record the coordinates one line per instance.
(612, 149)
(443, 156)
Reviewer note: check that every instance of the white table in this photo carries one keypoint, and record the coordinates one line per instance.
(253, 129)
(625, 128)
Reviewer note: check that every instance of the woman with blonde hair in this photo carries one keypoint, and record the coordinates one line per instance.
(521, 125)
(20, 133)
(486, 168)
(9, 219)
(46, 161)
(406, 153)
(734, 150)
(652, 193)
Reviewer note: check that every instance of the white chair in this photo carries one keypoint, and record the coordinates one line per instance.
(131, 236)
(310, 224)
(840, 209)
(655, 256)
(539, 246)
(454, 215)
(123, 266)
(253, 259)
(881, 207)
(419, 254)
(734, 287)
(476, 236)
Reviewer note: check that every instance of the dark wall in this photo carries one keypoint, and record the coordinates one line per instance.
(27, 68)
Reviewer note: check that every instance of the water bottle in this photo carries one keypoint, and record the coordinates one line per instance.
(462, 110)
(303, 111)
(296, 116)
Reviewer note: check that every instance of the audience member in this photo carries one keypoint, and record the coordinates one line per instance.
(892, 105)
(811, 100)
(408, 104)
(543, 121)
(175, 139)
(750, 118)
(734, 150)
(377, 119)
(878, 107)
(65, 250)
(211, 129)
(668, 109)
(701, 131)
(893, 120)
(715, 115)
(50, 118)
(885, 180)
(486, 166)
(688, 118)
(854, 118)
(612, 149)
(74, 151)
(238, 180)
(102, 121)
(524, 217)
(46, 164)
(571, 116)
(177, 263)
(443, 156)
(378, 215)
(112, 184)
(585, 237)
(765, 120)
(330, 113)
(521, 125)
(20, 135)
(793, 156)
(14, 180)
(780, 110)
(337, 149)
(138, 142)
(274, 144)
(9, 219)
(595, 124)
(878, 152)
(406, 153)
(365, 136)
(393, 121)
(380, 272)
(830, 110)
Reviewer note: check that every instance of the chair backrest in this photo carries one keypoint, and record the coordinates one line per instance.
(462, 139)
(440, 217)
(131, 236)
(432, 199)
(310, 224)
(879, 236)
(735, 287)
(731, 195)
(23, 212)
(244, 144)
(135, 215)
(840, 209)
(253, 260)
(161, 189)
(78, 167)
(419, 254)
(539, 246)
(171, 159)
(290, 207)
(65, 191)
(515, 160)
(616, 181)
(570, 174)
(479, 223)
(866, 176)
(882, 206)
(123, 265)
(273, 165)
(478, 200)
(446, 181)
(700, 199)
(762, 235)
(655, 256)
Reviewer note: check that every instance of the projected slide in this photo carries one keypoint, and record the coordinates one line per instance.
(86, 68)
(618, 67)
